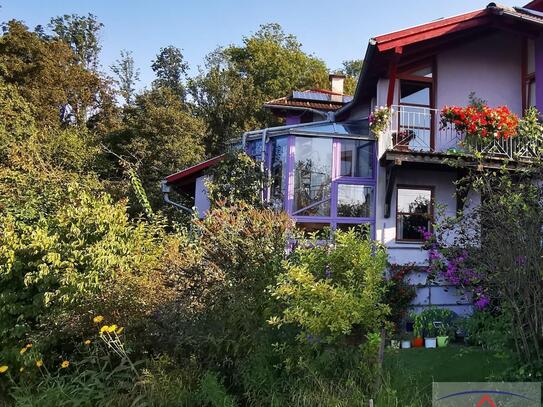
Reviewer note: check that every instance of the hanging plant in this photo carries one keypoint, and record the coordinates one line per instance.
(379, 119)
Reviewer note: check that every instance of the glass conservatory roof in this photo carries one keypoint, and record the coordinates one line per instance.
(351, 129)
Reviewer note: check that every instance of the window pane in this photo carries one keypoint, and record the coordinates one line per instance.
(410, 226)
(414, 200)
(278, 166)
(312, 175)
(356, 158)
(531, 93)
(254, 149)
(424, 72)
(354, 201)
(415, 92)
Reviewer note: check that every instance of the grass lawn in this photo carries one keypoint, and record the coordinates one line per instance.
(410, 372)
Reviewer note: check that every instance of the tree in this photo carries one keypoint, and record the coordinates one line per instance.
(160, 136)
(170, 68)
(238, 80)
(351, 69)
(127, 75)
(81, 34)
(50, 78)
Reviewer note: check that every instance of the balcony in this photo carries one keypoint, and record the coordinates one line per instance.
(417, 130)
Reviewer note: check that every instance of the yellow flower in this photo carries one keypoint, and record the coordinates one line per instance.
(23, 350)
(64, 364)
(39, 363)
(112, 328)
(120, 330)
(97, 319)
(87, 342)
(3, 369)
(21, 369)
(28, 346)
(104, 329)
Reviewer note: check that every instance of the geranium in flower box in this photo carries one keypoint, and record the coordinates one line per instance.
(479, 123)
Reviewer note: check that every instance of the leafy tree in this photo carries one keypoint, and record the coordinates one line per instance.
(81, 34)
(160, 136)
(238, 80)
(170, 68)
(127, 75)
(49, 77)
(351, 69)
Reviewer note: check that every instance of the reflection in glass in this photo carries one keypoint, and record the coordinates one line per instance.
(414, 213)
(319, 231)
(415, 93)
(354, 201)
(361, 230)
(312, 176)
(253, 148)
(277, 170)
(356, 158)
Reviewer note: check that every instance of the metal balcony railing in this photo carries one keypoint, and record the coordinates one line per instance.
(417, 129)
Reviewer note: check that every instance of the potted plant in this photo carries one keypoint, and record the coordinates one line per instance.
(430, 335)
(442, 336)
(406, 341)
(417, 341)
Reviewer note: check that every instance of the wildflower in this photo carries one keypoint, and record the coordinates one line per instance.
(97, 319)
(28, 346)
(3, 369)
(87, 342)
(112, 328)
(64, 364)
(23, 350)
(105, 328)
(39, 363)
(21, 369)
(120, 330)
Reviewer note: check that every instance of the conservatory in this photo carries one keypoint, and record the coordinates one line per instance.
(323, 174)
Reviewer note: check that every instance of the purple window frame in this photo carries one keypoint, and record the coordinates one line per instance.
(331, 220)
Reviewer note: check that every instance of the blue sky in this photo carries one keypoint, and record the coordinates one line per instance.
(332, 30)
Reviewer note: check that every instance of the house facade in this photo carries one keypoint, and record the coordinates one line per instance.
(334, 173)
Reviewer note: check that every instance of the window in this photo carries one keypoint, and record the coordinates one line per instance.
(354, 201)
(530, 92)
(356, 158)
(278, 164)
(312, 176)
(414, 212)
(321, 231)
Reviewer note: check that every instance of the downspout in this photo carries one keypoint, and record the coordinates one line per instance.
(166, 189)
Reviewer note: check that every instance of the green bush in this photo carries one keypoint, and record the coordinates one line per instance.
(332, 291)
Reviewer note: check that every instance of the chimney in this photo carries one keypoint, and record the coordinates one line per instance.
(336, 84)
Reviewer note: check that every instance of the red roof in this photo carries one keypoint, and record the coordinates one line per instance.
(536, 5)
(193, 171)
(431, 30)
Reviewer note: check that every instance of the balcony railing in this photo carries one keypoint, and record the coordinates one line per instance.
(417, 129)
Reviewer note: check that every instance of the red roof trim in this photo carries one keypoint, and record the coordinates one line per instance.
(536, 5)
(431, 30)
(178, 176)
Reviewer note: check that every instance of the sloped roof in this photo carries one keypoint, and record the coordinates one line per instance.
(194, 171)
(319, 99)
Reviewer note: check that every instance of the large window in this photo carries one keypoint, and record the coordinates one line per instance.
(415, 119)
(354, 201)
(356, 158)
(278, 164)
(312, 176)
(414, 212)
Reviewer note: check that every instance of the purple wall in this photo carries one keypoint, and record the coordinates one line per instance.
(539, 73)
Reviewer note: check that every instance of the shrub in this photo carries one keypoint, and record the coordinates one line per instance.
(329, 292)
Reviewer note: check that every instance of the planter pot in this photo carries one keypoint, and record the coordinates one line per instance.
(406, 344)
(417, 342)
(430, 343)
(395, 344)
(442, 341)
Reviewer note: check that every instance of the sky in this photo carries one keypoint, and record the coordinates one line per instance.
(331, 30)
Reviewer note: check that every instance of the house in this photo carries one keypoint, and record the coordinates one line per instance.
(336, 173)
